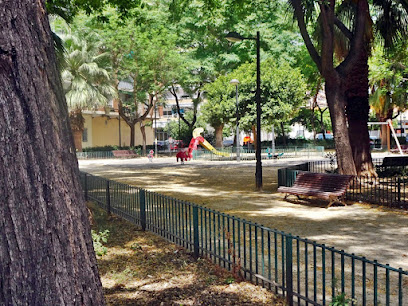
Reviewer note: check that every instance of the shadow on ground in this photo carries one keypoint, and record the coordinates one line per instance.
(366, 230)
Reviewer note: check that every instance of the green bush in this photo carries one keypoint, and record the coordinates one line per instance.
(98, 240)
(137, 149)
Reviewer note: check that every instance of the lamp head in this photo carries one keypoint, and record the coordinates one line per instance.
(234, 82)
(234, 37)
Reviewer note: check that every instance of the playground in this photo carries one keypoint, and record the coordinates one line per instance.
(228, 186)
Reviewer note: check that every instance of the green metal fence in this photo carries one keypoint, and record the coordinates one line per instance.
(266, 153)
(303, 271)
(94, 155)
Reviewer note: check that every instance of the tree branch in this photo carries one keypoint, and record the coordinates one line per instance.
(327, 17)
(178, 107)
(305, 35)
(143, 117)
(343, 28)
(359, 40)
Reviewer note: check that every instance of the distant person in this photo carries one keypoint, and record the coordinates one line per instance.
(150, 155)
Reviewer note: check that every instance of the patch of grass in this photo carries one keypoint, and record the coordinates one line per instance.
(140, 268)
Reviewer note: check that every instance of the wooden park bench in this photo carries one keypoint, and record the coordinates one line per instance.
(330, 187)
(124, 153)
(395, 161)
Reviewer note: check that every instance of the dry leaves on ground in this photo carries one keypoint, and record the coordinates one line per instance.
(141, 268)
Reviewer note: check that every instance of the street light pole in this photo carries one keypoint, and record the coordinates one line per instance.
(155, 130)
(258, 171)
(235, 37)
(236, 82)
(120, 133)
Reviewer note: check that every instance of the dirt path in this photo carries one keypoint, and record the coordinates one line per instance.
(367, 230)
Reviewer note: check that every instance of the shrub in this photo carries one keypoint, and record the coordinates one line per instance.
(98, 240)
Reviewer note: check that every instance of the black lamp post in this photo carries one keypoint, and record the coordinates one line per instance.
(235, 37)
(236, 82)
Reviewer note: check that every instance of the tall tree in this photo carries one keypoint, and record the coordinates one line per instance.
(345, 29)
(283, 90)
(46, 252)
(143, 52)
(87, 85)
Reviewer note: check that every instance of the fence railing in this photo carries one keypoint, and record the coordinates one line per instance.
(266, 153)
(301, 270)
(94, 155)
(389, 190)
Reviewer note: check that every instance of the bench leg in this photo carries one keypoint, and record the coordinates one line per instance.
(334, 199)
(288, 194)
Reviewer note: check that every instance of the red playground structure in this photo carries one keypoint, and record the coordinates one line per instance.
(187, 154)
(195, 141)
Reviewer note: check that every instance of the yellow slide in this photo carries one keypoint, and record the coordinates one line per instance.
(206, 145)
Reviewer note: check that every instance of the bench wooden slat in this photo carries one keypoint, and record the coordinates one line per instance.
(321, 185)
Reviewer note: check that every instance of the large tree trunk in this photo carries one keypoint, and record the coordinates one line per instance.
(46, 252)
(357, 109)
(337, 103)
(218, 136)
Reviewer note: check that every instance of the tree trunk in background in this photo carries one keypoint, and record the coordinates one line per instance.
(384, 133)
(283, 134)
(132, 134)
(357, 109)
(143, 131)
(78, 140)
(218, 136)
(77, 121)
(46, 251)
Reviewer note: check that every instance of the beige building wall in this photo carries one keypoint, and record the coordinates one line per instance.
(103, 130)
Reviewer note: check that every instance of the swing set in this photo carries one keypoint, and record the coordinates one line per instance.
(391, 128)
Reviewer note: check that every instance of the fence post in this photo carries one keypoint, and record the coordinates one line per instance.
(108, 200)
(399, 190)
(289, 271)
(142, 201)
(196, 233)
(86, 186)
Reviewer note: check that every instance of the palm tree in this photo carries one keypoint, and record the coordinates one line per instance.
(86, 84)
(388, 73)
(346, 30)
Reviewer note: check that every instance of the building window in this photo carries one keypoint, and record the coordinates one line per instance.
(85, 135)
(161, 135)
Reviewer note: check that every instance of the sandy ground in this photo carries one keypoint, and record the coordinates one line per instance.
(366, 230)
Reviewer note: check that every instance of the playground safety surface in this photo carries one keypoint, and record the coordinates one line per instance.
(366, 230)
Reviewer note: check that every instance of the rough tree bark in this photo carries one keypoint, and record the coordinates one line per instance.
(357, 110)
(46, 252)
(339, 124)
